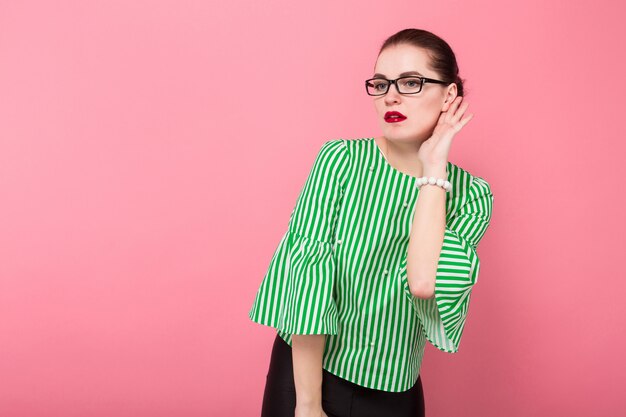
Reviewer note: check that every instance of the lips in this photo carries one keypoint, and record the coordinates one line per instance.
(394, 116)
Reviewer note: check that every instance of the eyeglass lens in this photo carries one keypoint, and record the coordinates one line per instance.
(407, 85)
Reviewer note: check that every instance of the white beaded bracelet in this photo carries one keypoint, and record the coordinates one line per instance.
(445, 184)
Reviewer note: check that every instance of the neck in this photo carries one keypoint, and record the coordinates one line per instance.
(403, 156)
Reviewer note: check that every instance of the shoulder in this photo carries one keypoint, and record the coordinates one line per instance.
(334, 147)
(333, 154)
(470, 193)
(465, 182)
(332, 160)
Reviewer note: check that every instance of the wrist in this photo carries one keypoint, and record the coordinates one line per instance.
(434, 174)
(437, 171)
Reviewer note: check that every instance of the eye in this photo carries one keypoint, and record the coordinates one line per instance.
(411, 82)
(379, 85)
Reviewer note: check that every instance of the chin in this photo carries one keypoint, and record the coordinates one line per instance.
(406, 134)
(400, 135)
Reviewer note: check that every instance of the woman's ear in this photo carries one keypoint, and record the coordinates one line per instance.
(451, 93)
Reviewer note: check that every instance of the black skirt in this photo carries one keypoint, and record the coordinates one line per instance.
(340, 398)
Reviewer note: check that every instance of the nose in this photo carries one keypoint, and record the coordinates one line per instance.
(392, 96)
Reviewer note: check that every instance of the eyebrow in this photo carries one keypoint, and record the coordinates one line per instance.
(377, 75)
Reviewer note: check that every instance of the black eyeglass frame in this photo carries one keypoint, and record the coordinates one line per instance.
(422, 81)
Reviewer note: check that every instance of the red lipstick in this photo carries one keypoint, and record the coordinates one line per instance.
(394, 116)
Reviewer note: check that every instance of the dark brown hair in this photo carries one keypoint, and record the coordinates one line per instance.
(442, 58)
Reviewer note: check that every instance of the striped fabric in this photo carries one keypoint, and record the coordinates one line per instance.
(340, 268)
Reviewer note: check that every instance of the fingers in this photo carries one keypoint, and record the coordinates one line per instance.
(441, 117)
(464, 121)
(452, 116)
(452, 109)
(455, 112)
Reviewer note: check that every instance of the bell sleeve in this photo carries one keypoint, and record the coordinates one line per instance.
(296, 295)
(443, 316)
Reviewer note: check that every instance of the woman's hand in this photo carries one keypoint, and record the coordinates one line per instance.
(435, 150)
(310, 411)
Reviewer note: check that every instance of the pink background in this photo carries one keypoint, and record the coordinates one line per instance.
(151, 152)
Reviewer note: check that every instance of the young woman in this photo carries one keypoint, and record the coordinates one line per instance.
(367, 271)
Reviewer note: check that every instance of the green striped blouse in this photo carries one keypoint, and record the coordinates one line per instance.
(340, 268)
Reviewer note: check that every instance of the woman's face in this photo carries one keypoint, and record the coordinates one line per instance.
(422, 110)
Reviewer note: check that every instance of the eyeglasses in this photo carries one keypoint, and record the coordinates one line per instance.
(404, 85)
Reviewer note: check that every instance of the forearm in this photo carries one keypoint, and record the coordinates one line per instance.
(426, 239)
(307, 353)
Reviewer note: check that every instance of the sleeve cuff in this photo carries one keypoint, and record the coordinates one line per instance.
(443, 316)
(296, 295)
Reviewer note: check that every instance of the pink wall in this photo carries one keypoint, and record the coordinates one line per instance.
(146, 178)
